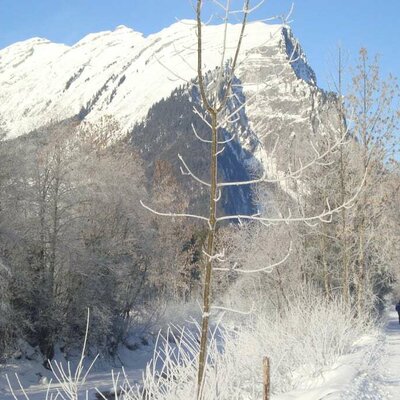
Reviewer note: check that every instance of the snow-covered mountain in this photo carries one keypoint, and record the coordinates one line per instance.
(121, 73)
(142, 83)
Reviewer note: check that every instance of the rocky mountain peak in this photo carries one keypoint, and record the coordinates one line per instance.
(138, 81)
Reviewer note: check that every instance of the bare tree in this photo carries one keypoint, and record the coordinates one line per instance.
(219, 109)
(374, 122)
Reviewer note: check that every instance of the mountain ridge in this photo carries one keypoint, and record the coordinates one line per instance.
(120, 72)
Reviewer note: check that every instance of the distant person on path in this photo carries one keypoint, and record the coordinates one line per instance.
(398, 309)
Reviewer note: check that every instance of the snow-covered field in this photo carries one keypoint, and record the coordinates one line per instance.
(35, 379)
(370, 371)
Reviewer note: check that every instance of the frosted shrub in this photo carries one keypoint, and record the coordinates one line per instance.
(171, 375)
(301, 341)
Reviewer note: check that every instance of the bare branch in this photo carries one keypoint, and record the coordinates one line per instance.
(268, 268)
(179, 77)
(235, 58)
(236, 111)
(292, 174)
(220, 151)
(224, 8)
(325, 216)
(251, 10)
(188, 172)
(217, 199)
(228, 140)
(198, 136)
(217, 256)
(203, 118)
(233, 310)
(171, 214)
(200, 78)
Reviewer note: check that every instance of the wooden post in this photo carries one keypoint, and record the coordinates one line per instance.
(266, 378)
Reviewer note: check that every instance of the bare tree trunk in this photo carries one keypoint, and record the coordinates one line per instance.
(210, 252)
(343, 233)
(326, 278)
(282, 290)
(43, 193)
(344, 250)
(55, 222)
(213, 109)
(361, 271)
(365, 141)
(266, 379)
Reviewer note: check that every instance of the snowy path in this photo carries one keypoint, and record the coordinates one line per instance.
(379, 374)
(390, 363)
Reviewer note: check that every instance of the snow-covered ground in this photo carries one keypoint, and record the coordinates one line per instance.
(34, 378)
(390, 365)
(370, 372)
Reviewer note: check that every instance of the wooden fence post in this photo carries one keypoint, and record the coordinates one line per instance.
(266, 378)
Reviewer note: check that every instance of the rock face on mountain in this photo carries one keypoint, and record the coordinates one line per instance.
(144, 83)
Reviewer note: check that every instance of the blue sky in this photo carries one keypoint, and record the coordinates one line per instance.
(319, 24)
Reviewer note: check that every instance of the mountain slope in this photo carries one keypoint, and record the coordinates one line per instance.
(121, 72)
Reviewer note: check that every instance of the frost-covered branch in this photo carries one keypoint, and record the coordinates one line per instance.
(187, 171)
(269, 268)
(199, 137)
(177, 76)
(325, 216)
(293, 174)
(202, 117)
(233, 310)
(171, 214)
